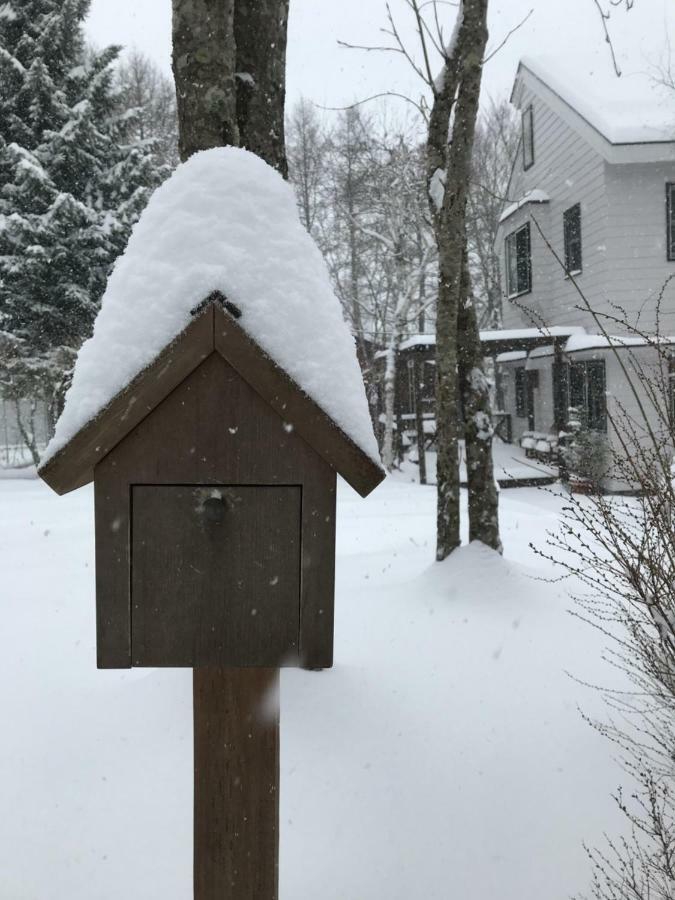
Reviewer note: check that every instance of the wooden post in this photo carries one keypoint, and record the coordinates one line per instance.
(560, 405)
(236, 760)
(417, 376)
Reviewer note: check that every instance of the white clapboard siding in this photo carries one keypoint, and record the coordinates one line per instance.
(568, 171)
(636, 243)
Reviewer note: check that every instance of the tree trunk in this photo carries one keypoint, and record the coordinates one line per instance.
(418, 385)
(446, 228)
(28, 432)
(447, 406)
(389, 404)
(204, 65)
(449, 164)
(260, 30)
(229, 63)
(478, 432)
(474, 386)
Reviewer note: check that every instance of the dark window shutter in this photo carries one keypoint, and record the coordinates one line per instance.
(520, 391)
(670, 220)
(518, 261)
(572, 233)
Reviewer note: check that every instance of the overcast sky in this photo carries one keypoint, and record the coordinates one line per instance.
(567, 30)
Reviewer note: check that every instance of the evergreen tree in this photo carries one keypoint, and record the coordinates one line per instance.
(73, 180)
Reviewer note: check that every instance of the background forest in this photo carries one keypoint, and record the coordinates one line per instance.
(87, 134)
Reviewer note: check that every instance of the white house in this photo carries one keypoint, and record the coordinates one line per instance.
(586, 242)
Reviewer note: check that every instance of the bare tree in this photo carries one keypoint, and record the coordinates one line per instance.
(449, 152)
(620, 550)
(451, 127)
(307, 147)
(361, 189)
(401, 227)
(604, 8)
(150, 98)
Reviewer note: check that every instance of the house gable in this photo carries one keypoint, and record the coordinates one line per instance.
(613, 150)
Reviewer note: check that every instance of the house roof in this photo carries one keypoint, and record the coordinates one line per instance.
(627, 118)
(498, 342)
(212, 330)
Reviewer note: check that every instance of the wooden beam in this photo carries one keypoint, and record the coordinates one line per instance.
(236, 761)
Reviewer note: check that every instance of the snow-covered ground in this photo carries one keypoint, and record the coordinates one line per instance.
(443, 758)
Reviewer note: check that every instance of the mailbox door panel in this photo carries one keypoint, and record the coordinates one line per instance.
(215, 575)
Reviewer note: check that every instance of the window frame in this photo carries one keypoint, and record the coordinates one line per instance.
(513, 237)
(670, 221)
(567, 240)
(527, 137)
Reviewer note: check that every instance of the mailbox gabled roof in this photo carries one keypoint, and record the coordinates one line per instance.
(212, 330)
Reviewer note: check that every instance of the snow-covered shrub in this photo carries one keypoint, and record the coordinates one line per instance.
(584, 451)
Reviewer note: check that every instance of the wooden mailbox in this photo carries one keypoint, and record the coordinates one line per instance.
(215, 480)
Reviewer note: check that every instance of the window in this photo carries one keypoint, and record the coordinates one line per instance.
(518, 265)
(572, 232)
(528, 138)
(588, 392)
(521, 407)
(670, 220)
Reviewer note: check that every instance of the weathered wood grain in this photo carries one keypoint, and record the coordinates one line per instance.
(215, 575)
(236, 800)
(113, 567)
(214, 429)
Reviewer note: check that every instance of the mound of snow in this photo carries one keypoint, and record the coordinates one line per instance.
(224, 221)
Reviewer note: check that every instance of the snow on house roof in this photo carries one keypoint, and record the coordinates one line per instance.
(533, 196)
(546, 350)
(511, 356)
(418, 340)
(580, 342)
(524, 334)
(497, 335)
(626, 110)
(225, 221)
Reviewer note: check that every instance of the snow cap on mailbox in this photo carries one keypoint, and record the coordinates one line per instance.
(224, 222)
(219, 362)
